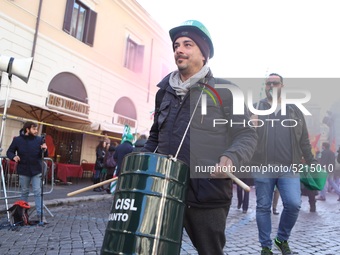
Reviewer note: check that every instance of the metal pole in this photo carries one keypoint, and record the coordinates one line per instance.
(9, 82)
(4, 116)
(41, 223)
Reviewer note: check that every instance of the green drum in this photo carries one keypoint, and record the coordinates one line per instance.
(148, 207)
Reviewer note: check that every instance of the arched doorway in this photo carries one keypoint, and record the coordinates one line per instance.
(67, 144)
(125, 112)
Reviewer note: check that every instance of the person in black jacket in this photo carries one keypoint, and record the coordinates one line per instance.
(122, 150)
(99, 164)
(201, 146)
(110, 165)
(139, 144)
(27, 150)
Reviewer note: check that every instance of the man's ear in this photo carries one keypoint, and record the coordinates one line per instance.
(205, 61)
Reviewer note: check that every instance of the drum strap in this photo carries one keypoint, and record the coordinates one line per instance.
(187, 128)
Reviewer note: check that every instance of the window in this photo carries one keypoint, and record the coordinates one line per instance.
(80, 21)
(134, 56)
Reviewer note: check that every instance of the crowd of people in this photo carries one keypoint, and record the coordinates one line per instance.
(109, 158)
(181, 128)
(228, 147)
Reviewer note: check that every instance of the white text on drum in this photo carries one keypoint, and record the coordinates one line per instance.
(125, 204)
(122, 204)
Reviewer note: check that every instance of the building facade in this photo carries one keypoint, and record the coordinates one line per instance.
(95, 67)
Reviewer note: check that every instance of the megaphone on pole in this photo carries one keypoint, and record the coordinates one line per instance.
(19, 67)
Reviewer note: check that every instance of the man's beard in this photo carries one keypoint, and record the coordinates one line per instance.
(31, 133)
(269, 94)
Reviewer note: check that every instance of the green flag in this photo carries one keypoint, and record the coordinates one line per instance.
(127, 136)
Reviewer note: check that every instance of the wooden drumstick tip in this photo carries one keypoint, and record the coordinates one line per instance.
(239, 182)
(247, 188)
(91, 187)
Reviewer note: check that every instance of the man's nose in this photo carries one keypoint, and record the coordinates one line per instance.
(179, 48)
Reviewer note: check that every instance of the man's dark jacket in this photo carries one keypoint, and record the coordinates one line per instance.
(122, 150)
(139, 144)
(27, 147)
(203, 144)
(299, 136)
(328, 160)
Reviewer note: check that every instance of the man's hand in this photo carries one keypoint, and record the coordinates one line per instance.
(254, 120)
(224, 165)
(44, 146)
(16, 158)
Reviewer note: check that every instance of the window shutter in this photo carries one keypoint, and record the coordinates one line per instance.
(139, 59)
(68, 16)
(91, 28)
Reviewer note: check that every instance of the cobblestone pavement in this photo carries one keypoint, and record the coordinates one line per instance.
(78, 227)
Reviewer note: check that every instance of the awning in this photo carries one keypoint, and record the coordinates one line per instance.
(70, 129)
(53, 118)
(42, 113)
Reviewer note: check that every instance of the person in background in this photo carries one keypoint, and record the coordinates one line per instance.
(110, 165)
(243, 196)
(327, 160)
(103, 173)
(122, 150)
(139, 144)
(337, 169)
(311, 194)
(279, 146)
(99, 164)
(28, 150)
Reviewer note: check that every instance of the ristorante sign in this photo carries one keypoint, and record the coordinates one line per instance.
(68, 105)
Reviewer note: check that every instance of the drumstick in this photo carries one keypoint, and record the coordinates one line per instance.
(235, 179)
(238, 181)
(91, 187)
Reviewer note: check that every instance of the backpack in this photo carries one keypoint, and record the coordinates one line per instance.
(19, 213)
(110, 162)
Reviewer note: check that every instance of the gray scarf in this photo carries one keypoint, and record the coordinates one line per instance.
(181, 88)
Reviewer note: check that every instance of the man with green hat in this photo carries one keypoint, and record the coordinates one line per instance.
(180, 130)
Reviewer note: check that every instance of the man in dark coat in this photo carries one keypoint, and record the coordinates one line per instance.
(203, 146)
(139, 144)
(122, 150)
(27, 150)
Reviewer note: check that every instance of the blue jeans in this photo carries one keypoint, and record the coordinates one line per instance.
(25, 189)
(290, 191)
(330, 183)
(97, 174)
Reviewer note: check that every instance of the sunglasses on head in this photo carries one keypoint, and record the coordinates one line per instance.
(275, 83)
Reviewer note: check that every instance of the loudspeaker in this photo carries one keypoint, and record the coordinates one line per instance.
(19, 67)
